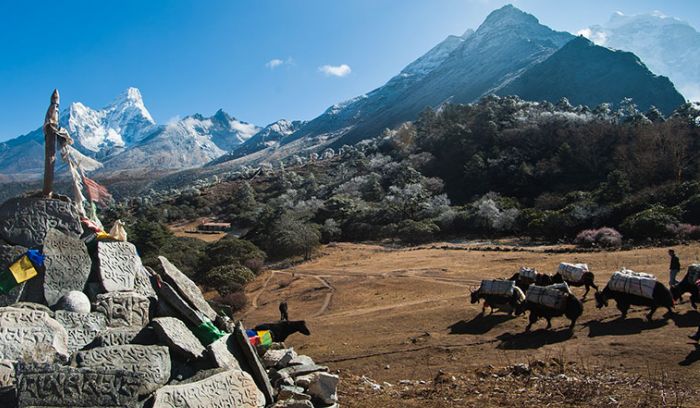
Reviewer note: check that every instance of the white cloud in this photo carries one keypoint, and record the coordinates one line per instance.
(276, 62)
(336, 70)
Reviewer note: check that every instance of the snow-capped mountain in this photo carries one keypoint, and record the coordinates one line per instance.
(667, 45)
(508, 44)
(121, 124)
(124, 137)
(190, 142)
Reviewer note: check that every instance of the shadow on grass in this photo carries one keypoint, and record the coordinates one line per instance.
(692, 357)
(480, 324)
(534, 339)
(622, 327)
(690, 318)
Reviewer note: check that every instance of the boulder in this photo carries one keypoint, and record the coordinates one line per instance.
(178, 337)
(221, 352)
(74, 301)
(31, 335)
(186, 288)
(152, 361)
(63, 386)
(26, 220)
(231, 388)
(124, 309)
(67, 265)
(324, 388)
(82, 328)
(118, 264)
(278, 358)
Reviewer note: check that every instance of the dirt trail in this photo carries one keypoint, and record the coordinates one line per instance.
(370, 308)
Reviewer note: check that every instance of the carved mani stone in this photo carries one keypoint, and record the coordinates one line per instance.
(251, 362)
(8, 255)
(82, 328)
(178, 337)
(62, 386)
(119, 264)
(26, 220)
(123, 309)
(232, 388)
(186, 287)
(222, 352)
(142, 283)
(126, 335)
(67, 265)
(31, 335)
(152, 361)
(7, 376)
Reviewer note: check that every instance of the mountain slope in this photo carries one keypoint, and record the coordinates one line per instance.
(587, 74)
(270, 136)
(668, 46)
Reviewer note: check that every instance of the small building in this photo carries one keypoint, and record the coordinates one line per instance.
(214, 226)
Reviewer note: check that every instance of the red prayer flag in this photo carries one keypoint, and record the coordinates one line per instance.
(96, 192)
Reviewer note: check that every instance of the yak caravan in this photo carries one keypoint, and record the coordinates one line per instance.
(352, 203)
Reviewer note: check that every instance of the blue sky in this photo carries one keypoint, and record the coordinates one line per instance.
(259, 60)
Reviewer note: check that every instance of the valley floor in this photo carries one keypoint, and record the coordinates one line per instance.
(398, 325)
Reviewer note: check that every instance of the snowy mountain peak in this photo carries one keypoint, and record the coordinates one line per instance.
(506, 16)
(131, 100)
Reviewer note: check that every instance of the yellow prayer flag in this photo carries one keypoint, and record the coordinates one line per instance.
(103, 235)
(23, 269)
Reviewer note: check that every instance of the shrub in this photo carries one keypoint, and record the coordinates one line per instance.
(416, 232)
(650, 223)
(231, 250)
(603, 237)
(684, 231)
(228, 278)
(691, 209)
(236, 301)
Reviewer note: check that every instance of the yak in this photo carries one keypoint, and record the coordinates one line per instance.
(509, 303)
(283, 329)
(541, 279)
(587, 280)
(687, 286)
(662, 297)
(572, 310)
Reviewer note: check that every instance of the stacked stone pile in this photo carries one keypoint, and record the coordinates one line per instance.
(95, 328)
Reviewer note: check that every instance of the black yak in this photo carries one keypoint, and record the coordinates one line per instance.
(283, 329)
(502, 302)
(569, 306)
(541, 279)
(661, 297)
(587, 278)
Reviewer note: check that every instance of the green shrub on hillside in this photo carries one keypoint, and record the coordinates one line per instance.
(650, 223)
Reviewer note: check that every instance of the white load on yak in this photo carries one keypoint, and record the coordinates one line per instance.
(497, 287)
(528, 273)
(552, 296)
(572, 272)
(633, 283)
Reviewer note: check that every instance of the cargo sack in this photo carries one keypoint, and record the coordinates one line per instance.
(528, 273)
(637, 274)
(498, 287)
(632, 284)
(553, 296)
(694, 272)
(572, 272)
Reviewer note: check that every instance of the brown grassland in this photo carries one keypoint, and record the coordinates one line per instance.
(398, 326)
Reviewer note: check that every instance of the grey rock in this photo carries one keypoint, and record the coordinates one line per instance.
(75, 301)
(31, 335)
(178, 337)
(250, 362)
(186, 288)
(9, 254)
(33, 306)
(221, 353)
(278, 358)
(67, 265)
(304, 381)
(124, 309)
(7, 376)
(82, 328)
(293, 403)
(324, 387)
(295, 371)
(62, 386)
(118, 264)
(152, 361)
(126, 335)
(232, 388)
(293, 392)
(142, 283)
(172, 304)
(26, 220)
(301, 360)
